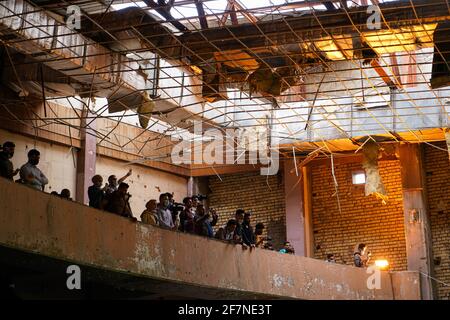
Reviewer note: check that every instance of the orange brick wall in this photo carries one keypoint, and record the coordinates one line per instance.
(362, 219)
(437, 171)
(263, 195)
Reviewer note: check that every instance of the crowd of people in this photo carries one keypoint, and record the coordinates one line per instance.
(190, 216)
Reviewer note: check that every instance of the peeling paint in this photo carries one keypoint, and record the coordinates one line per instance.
(164, 255)
(277, 280)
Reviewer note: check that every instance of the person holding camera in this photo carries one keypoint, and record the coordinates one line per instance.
(203, 222)
(187, 216)
(113, 183)
(361, 257)
(118, 202)
(196, 200)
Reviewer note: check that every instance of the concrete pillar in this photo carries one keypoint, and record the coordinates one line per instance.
(86, 156)
(307, 205)
(295, 219)
(417, 225)
(190, 187)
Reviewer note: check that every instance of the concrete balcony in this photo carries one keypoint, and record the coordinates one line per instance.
(40, 235)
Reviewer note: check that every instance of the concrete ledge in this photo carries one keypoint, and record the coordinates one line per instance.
(40, 223)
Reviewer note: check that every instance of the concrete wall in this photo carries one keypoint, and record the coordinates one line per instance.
(145, 183)
(50, 226)
(362, 219)
(437, 172)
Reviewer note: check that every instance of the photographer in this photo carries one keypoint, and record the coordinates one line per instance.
(360, 257)
(113, 183)
(203, 222)
(118, 202)
(187, 216)
(197, 200)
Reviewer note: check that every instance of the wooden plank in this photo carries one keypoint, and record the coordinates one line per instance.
(383, 75)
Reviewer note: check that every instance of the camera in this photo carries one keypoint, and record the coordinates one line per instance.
(177, 207)
(201, 197)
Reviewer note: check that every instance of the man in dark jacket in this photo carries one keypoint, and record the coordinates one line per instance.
(6, 166)
(118, 202)
(187, 216)
(203, 222)
(248, 236)
(239, 217)
(96, 193)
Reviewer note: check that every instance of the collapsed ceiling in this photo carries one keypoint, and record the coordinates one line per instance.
(143, 59)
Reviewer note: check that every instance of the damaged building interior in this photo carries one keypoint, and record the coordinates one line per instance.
(327, 121)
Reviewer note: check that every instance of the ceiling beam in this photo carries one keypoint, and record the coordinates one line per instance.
(164, 11)
(289, 30)
(201, 14)
(329, 5)
(248, 15)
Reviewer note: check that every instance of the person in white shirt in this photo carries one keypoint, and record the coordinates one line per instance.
(164, 214)
(30, 174)
(113, 183)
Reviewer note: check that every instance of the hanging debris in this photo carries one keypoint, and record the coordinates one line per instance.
(374, 183)
(145, 110)
(213, 88)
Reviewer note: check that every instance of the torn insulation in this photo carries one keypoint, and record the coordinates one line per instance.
(374, 183)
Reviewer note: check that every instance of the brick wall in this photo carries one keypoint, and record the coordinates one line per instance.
(362, 220)
(263, 195)
(437, 170)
